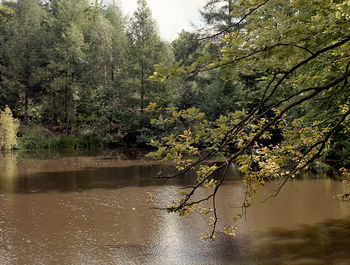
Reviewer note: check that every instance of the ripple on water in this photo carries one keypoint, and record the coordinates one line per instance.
(102, 224)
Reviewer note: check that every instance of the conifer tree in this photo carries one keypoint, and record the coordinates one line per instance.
(144, 45)
(218, 14)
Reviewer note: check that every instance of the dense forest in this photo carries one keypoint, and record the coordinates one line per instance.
(72, 70)
(81, 68)
(81, 73)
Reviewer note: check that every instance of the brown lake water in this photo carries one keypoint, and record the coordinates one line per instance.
(85, 209)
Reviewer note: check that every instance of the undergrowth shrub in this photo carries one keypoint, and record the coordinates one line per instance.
(8, 129)
(39, 138)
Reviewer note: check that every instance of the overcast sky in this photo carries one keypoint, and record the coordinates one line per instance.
(171, 15)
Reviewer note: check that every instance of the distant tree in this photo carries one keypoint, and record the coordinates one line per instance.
(206, 91)
(144, 50)
(78, 66)
(104, 77)
(68, 59)
(24, 57)
(217, 15)
(186, 47)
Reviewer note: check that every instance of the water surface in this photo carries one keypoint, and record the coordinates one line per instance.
(96, 210)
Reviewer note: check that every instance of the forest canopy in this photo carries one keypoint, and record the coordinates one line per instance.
(81, 67)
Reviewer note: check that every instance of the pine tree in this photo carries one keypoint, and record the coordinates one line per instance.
(217, 14)
(144, 49)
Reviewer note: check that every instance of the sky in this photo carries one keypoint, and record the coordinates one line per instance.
(171, 15)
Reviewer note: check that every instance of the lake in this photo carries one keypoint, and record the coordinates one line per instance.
(88, 208)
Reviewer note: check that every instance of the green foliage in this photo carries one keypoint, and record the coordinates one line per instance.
(5, 11)
(219, 97)
(204, 90)
(345, 197)
(39, 138)
(75, 66)
(144, 51)
(22, 56)
(32, 139)
(62, 141)
(185, 48)
(289, 61)
(8, 129)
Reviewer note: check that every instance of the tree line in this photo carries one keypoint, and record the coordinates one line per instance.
(77, 67)
(81, 67)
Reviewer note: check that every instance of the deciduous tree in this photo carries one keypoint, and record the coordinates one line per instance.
(23, 55)
(297, 55)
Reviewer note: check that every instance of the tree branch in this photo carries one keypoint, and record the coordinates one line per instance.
(251, 11)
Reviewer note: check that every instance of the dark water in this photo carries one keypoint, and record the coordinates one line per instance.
(96, 210)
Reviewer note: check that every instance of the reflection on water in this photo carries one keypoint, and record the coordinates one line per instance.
(102, 227)
(36, 174)
(95, 210)
(79, 180)
(8, 169)
(32, 175)
(324, 243)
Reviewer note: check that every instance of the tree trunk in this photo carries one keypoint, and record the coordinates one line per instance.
(26, 99)
(67, 108)
(52, 108)
(142, 89)
(69, 104)
(112, 74)
(68, 119)
(230, 9)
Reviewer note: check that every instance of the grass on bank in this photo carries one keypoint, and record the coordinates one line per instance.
(40, 138)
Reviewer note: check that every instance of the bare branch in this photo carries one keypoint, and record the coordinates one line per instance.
(285, 75)
(324, 141)
(214, 202)
(268, 86)
(278, 190)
